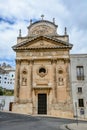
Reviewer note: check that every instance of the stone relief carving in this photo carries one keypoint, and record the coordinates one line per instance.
(60, 77)
(24, 81)
(41, 43)
(24, 77)
(60, 81)
(41, 29)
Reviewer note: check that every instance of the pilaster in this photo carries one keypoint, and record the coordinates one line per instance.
(54, 80)
(17, 80)
(30, 79)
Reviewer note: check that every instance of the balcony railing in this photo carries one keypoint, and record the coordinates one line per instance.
(80, 77)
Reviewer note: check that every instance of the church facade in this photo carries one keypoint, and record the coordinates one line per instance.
(42, 80)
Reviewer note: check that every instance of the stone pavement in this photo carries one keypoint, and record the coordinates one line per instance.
(79, 126)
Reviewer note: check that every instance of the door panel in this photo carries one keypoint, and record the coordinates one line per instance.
(42, 104)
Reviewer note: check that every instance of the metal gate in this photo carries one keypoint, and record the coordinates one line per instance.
(42, 103)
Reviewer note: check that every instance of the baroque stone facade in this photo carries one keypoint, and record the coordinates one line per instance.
(42, 81)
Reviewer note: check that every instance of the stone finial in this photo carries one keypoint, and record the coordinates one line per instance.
(30, 21)
(65, 31)
(42, 16)
(19, 32)
(54, 20)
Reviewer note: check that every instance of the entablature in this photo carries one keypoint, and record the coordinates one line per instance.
(32, 60)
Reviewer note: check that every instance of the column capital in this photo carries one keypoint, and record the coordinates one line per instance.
(18, 61)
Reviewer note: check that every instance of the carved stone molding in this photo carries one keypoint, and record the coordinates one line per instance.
(41, 90)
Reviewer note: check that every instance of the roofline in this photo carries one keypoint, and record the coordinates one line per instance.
(78, 55)
(41, 36)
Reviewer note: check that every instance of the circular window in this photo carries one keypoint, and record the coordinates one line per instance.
(42, 71)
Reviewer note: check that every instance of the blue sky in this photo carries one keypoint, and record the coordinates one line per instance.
(16, 14)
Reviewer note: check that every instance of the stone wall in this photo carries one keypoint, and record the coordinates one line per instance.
(7, 100)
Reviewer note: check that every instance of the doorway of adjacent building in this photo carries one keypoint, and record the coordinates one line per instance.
(42, 103)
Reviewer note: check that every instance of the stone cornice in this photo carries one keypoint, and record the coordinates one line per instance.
(48, 58)
(36, 48)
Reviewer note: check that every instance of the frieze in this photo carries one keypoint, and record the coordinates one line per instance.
(56, 53)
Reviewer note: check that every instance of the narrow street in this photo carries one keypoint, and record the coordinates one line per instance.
(26, 122)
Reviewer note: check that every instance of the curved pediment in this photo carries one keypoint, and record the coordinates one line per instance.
(42, 27)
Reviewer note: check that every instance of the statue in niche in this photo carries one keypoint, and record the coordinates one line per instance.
(24, 81)
(24, 78)
(60, 81)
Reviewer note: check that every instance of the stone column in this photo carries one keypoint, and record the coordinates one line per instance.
(17, 81)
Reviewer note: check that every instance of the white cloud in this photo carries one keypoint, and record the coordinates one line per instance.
(71, 14)
(78, 38)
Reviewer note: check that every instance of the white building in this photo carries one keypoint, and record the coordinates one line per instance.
(5, 102)
(79, 84)
(7, 77)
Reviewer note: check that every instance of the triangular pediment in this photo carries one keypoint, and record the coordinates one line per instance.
(42, 42)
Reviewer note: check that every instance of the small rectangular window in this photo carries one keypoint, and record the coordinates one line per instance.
(80, 102)
(80, 72)
(79, 90)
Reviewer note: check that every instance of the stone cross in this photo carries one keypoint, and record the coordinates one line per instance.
(42, 16)
(30, 21)
(65, 31)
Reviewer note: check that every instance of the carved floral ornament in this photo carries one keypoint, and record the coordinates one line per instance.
(24, 71)
(42, 71)
(60, 77)
(60, 70)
